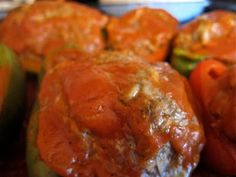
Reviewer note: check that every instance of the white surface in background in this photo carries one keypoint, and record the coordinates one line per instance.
(6, 5)
(145, 1)
(183, 11)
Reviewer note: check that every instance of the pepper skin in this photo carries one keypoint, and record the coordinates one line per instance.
(215, 86)
(12, 96)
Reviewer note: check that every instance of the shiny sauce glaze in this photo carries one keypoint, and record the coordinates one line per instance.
(117, 116)
(147, 32)
(211, 35)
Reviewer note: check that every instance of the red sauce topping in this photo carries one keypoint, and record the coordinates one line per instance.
(147, 32)
(45, 26)
(114, 116)
(211, 35)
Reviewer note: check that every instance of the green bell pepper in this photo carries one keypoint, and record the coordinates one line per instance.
(184, 61)
(13, 99)
(36, 166)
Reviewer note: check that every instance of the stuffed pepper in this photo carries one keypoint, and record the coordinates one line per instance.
(145, 31)
(210, 35)
(113, 115)
(215, 86)
(35, 30)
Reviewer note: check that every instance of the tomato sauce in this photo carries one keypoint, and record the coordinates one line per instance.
(45, 26)
(211, 35)
(147, 32)
(113, 116)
